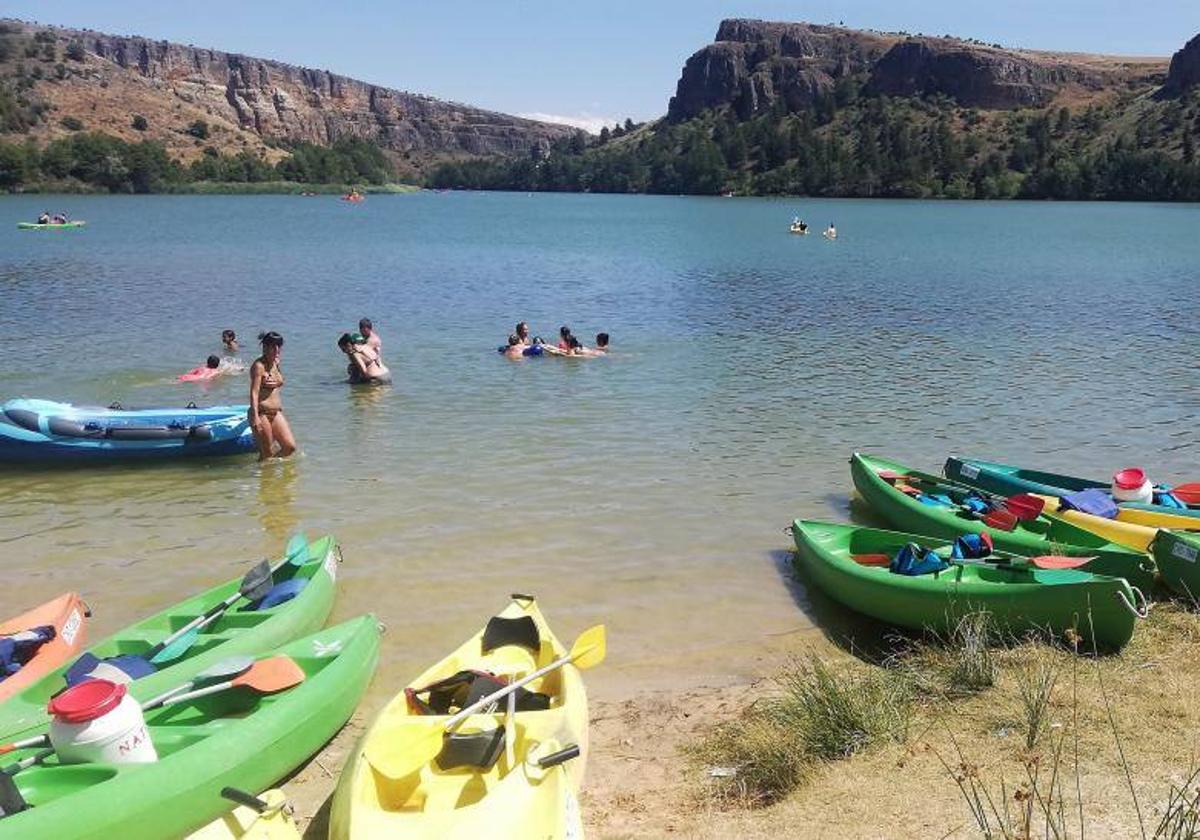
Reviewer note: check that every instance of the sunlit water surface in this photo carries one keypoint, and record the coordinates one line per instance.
(648, 490)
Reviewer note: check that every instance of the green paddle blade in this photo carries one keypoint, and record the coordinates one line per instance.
(177, 648)
(296, 552)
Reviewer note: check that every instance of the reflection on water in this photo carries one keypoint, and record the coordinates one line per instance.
(277, 498)
(647, 490)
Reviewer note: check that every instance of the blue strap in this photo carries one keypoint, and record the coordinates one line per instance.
(280, 593)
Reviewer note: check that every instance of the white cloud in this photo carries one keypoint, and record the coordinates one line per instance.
(588, 122)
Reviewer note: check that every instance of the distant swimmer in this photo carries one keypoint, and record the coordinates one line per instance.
(799, 225)
(601, 344)
(831, 232)
(365, 366)
(367, 330)
(522, 333)
(515, 349)
(229, 340)
(564, 337)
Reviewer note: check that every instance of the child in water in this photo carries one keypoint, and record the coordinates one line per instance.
(212, 368)
(229, 339)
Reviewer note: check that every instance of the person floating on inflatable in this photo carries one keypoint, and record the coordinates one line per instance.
(211, 369)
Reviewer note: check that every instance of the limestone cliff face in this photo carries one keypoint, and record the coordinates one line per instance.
(273, 101)
(974, 75)
(1184, 72)
(754, 62)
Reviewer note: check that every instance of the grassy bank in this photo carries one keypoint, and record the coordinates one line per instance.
(953, 738)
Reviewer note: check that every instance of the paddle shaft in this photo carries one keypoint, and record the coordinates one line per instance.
(211, 615)
(483, 702)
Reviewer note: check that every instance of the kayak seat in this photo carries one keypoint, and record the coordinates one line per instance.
(522, 632)
(871, 559)
(476, 750)
(280, 593)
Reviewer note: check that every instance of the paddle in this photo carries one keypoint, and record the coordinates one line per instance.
(1189, 494)
(222, 671)
(125, 668)
(266, 676)
(414, 746)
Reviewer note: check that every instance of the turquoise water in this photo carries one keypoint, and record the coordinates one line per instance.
(649, 489)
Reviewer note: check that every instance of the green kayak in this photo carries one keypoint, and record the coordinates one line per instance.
(234, 738)
(1007, 480)
(61, 226)
(842, 561)
(939, 511)
(1178, 557)
(239, 630)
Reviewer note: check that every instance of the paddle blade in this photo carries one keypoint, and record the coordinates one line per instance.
(1001, 520)
(1058, 561)
(177, 647)
(267, 676)
(589, 649)
(395, 755)
(1025, 506)
(296, 552)
(257, 582)
(1189, 494)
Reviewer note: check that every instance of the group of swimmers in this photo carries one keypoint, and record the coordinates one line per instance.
(520, 345)
(56, 219)
(801, 226)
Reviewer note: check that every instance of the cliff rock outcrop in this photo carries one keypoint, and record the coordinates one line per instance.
(268, 100)
(755, 62)
(974, 75)
(1184, 72)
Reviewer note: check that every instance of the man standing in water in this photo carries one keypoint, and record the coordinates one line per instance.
(367, 329)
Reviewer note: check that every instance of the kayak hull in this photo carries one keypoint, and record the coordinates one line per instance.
(238, 631)
(1007, 480)
(1045, 535)
(1178, 558)
(500, 802)
(243, 823)
(63, 226)
(1018, 599)
(234, 738)
(44, 431)
(68, 615)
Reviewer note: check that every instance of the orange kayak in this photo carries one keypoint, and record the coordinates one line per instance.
(68, 615)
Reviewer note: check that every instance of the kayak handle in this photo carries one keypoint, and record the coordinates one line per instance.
(243, 798)
(1141, 609)
(560, 757)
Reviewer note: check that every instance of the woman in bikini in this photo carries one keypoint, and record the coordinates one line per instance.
(266, 408)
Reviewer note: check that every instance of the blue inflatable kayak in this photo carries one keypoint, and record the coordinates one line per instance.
(46, 431)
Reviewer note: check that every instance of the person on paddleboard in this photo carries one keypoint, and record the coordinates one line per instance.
(831, 232)
(44, 219)
(266, 418)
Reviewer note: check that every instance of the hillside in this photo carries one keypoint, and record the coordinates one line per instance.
(802, 109)
(55, 82)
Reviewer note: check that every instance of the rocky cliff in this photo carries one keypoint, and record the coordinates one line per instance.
(752, 64)
(1184, 72)
(256, 102)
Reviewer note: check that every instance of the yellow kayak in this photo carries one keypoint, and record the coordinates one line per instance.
(1132, 527)
(274, 822)
(494, 777)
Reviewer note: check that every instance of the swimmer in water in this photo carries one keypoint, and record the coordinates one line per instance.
(601, 348)
(515, 349)
(365, 365)
(212, 368)
(229, 340)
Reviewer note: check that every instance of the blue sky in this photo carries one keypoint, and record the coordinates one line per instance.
(584, 60)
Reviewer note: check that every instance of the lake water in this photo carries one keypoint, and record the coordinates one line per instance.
(648, 490)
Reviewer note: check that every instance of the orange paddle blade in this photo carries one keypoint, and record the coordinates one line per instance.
(268, 676)
(1001, 520)
(1058, 561)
